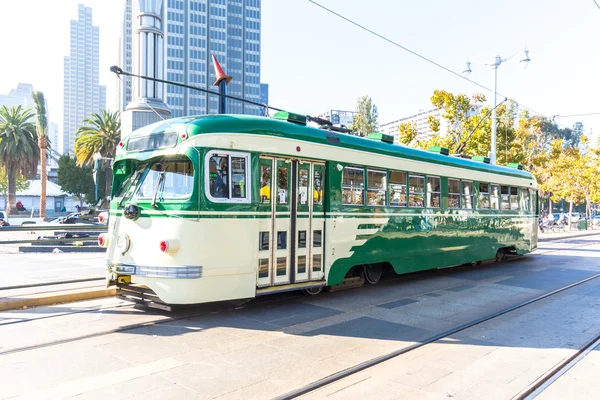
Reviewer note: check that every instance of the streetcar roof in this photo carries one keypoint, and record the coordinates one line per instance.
(224, 123)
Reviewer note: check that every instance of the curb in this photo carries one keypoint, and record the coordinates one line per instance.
(59, 297)
(550, 239)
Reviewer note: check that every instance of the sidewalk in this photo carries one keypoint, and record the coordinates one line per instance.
(52, 294)
(543, 237)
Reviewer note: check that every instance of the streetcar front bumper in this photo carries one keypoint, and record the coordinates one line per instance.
(155, 271)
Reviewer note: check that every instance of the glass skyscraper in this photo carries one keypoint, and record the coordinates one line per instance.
(194, 31)
(82, 93)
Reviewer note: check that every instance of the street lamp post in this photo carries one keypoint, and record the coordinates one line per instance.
(97, 158)
(497, 61)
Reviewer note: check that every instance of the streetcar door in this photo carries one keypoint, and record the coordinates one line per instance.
(274, 261)
(281, 222)
(308, 221)
(291, 240)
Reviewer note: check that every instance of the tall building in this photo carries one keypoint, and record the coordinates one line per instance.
(339, 117)
(194, 31)
(21, 96)
(421, 118)
(83, 94)
(264, 95)
(124, 88)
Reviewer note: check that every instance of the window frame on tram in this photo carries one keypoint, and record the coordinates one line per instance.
(247, 198)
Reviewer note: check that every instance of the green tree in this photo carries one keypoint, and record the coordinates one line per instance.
(76, 180)
(21, 183)
(41, 126)
(366, 117)
(408, 133)
(101, 134)
(19, 151)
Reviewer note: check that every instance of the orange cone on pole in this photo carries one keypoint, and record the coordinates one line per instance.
(221, 75)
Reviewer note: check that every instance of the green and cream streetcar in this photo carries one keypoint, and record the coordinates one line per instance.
(224, 207)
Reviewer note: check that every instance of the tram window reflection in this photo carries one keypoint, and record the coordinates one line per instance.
(219, 176)
(376, 191)
(467, 194)
(397, 189)
(433, 192)
(265, 183)
(514, 198)
(227, 177)
(177, 180)
(505, 194)
(353, 185)
(484, 195)
(495, 198)
(238, 177)
(526, 204)
(318, 187)
(453, 193)
(416, 190)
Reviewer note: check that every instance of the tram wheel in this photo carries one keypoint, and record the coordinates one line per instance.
(312, 291)
(475, 263)
(500, 254)
(372, 273)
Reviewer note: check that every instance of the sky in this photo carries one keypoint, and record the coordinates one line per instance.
(314, 61)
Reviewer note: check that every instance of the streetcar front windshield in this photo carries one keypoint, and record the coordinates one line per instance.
(167, 179)
(127, 186)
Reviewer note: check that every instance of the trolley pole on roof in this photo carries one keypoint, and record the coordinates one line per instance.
(222, 81)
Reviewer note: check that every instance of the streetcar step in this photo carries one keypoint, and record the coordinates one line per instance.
(287, 288)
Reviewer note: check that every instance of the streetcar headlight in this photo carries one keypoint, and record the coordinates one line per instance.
(123, 243)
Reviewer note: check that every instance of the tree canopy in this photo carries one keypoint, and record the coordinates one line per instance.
(559, 157)
(366, 117)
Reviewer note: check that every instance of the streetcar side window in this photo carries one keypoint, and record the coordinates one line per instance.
(353, 186)
(453, 193)
(505, 193)
(227, 177)
(416, 186)
(434, 195)
(525, 201)
(376, 187)
(397, 189)
(495, 198)
(467, 194)
(484, 196)
(514, 198)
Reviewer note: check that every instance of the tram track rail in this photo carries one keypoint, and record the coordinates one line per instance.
(283, 297)
(558, 371)
(386, 357)
(56, 283)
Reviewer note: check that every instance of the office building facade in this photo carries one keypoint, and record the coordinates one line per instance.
(83, 94)
(194, 31)
(339, 117)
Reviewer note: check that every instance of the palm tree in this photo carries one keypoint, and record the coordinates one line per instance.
(19, 151)
(41, 126)
(101, 135)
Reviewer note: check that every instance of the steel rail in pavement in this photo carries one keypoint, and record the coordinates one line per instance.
(378, 360)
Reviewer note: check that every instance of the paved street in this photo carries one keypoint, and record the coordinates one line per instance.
(31, 268)
(277, 344)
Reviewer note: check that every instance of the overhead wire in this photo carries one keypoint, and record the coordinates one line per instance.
(421, 56)
(596, 3)
(576, 115)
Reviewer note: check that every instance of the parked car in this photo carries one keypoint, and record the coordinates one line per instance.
(20, 220)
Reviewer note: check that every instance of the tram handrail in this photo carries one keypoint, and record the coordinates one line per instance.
(57, 229)
(66, 228)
